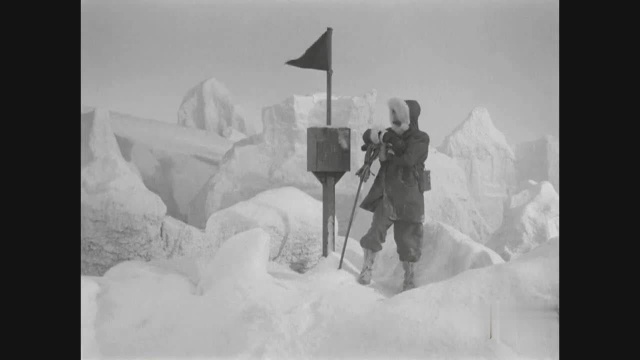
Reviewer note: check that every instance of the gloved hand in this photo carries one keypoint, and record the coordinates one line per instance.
(394, 142)
(372, 137)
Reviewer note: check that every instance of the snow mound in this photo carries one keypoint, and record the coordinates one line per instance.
(446, 252)
(292, 218)
(174, 162)
(487, 160)
(241, 258)
(532, 218)
(278, 156)
(452, 316)
(251, 312)
(539, 160)
(208, 106)
(120, 218)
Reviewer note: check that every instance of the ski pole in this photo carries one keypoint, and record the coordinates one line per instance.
(346, 238)
(370, 156)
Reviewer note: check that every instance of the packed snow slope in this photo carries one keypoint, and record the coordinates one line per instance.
(239, 305)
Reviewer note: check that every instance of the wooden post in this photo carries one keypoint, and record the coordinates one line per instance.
(329, 185)
(328, 158)
(329, 215)
(329, 74)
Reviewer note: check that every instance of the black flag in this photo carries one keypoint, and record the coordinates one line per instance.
(316, 57)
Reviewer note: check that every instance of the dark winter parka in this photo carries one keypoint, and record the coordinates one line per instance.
(396, 184)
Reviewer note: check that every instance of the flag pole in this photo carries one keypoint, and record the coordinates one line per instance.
(329, 185)
(329, 73)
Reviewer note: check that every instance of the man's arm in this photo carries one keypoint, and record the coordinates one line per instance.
(395, 143)
(415, 151)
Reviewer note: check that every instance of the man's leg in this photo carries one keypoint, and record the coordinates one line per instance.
(377, 233)
(408, 237)
(372, 241)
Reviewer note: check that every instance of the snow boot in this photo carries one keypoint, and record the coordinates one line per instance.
(409, 268)
(367, 267)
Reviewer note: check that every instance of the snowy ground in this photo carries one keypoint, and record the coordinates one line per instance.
(239, 305)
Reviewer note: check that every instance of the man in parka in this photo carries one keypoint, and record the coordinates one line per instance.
(396, 197)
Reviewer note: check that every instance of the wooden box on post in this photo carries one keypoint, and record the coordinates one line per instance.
(328, 157)
(328, 149)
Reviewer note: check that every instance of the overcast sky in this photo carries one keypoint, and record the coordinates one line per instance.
(141, 57)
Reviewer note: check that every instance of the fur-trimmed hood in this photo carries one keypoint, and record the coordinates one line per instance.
(414, 113)
(401, 110)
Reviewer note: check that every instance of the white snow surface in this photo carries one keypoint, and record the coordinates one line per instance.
(532, 218)
(208, 106)
(89, 290)
(488, 161)
(292, 218)
(278, 156)
(242, 307)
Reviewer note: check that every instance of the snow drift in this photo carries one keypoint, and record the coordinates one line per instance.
(278, 156)
(450, 319)
(539, 161)
(208, 106)
(256, 311)
(292, 218)
(120, 218)
(488, 161)
(532, 218)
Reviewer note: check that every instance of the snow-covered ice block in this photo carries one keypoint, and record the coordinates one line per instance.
(120, 218)
(208, 106)
(539, 160)
(174, 162)
(278, 156)
(531, 218)
(487, 160)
